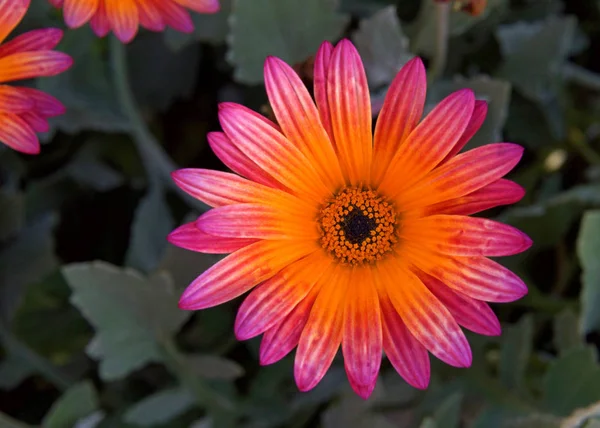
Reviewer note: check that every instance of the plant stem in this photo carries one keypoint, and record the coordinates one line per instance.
(442, 28)
(14, 346)
(157, 163)
(498, 394)
(205, 395)
(581, 76)
(586, 151)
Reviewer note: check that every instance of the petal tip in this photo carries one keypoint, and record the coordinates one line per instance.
(34, 149)
(226, 105)
(55, 33)
(240, 327)
(459, 355)
(176, 236)
(520, 290)
(466, 94)
(326, 45)
(416, 63)
(185, 304)
(265, 355)
(495, 330)
(419, 382)
(346, 47)
(209, 7)
(363, 391)
(177, 175)
(75, 20)
(519, 192)
(527, 242)
(68, 63)
(304, 381)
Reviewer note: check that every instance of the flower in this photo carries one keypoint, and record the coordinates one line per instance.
(24, 111)
(349, 238)
(124, 16)
(472, 7)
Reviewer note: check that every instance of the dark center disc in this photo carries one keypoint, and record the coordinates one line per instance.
(357, 226)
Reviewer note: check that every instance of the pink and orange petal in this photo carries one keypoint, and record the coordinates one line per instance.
(25, 111)
(408, 285)
(124, 17)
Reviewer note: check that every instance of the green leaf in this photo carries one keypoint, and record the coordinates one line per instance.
(90, 165)
(130, 314)
(13, 371)
(8, 422)
(264, 403)
(364, 7)
(86, 89)
(327, 389)
(572, 382)
(548, 222)
(185, 266)
(12, 213)
(214, 367)
(40, 15)
(94, 174)
(382, 45)
(160, 407)
(25, 260)
(588, 250)
(536, 420)
(566, 331)
(207, 28)
(534, 56)
(153, 67)
(496, 417)
(47, 303)
(288, 29)
(352, 413)
(590, 414)
(151, 225)
(495, 92)
(532, 10)
(448, 413)
(202, 423)
(526, 123)
(428, 423)
(79, 401)
(515, 352)
(423, 31)
(93, 420)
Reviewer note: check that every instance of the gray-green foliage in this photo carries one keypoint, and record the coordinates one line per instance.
(160, 407)
(572, 382)
(588, 248)
(132, 315)
(290, 30)
(382, 45)
(76, 403)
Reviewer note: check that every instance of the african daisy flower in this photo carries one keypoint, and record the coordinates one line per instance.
(345, 238)
(124, 16)
(24, 111)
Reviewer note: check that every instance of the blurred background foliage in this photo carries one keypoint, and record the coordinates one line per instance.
(90, 332)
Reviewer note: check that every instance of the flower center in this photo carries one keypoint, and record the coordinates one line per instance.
(357, 226)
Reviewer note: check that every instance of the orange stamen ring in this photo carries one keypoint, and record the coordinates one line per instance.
(358, 226)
